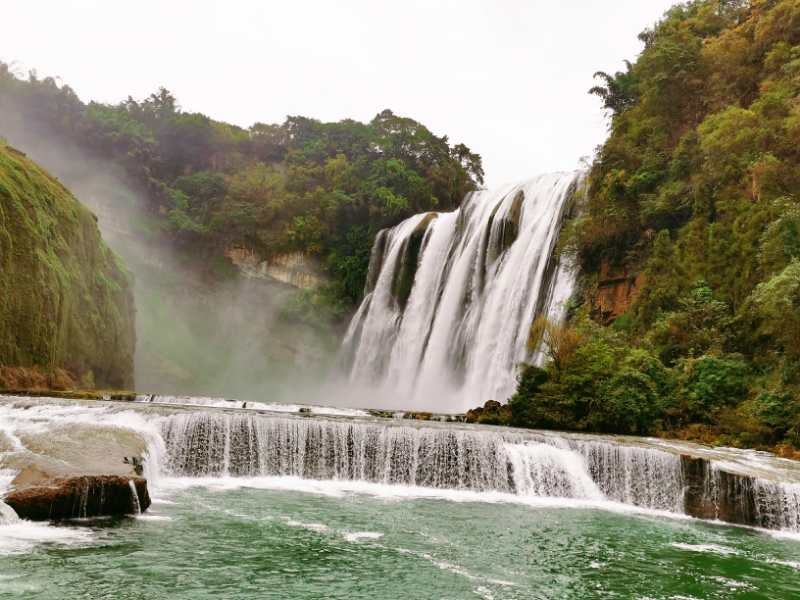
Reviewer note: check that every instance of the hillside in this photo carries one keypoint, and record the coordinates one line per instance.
(689, 318)
(303, 186)
(66, 306)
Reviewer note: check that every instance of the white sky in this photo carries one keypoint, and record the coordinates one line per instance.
(509, 78)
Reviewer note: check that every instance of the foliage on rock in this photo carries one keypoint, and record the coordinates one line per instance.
(697, 188)
(66, 307)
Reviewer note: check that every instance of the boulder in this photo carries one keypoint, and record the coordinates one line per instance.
(491, 413)
(81, 496)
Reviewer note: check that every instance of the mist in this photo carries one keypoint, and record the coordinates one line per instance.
(222, 338)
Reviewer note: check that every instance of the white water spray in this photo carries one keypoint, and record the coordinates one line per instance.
(451, 297)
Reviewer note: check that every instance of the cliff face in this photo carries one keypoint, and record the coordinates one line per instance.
(617, 289)
(65, 299)
(296, 269)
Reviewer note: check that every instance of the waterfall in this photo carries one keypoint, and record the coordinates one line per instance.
(451, 296)
(737, 486)
(634, 475)
(136, 507)
(777, 504)
(545, 470)
(444, 457)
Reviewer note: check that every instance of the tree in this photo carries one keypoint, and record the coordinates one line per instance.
(619, 92)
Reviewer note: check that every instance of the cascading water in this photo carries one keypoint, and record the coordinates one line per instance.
(530, 464)
(451, 297)
(627, 474)
(209, 443)
(136, 507)
(7, 514)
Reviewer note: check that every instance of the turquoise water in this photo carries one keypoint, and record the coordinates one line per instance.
(225, 541)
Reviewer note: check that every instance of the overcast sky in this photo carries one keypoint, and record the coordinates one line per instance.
(509, 78)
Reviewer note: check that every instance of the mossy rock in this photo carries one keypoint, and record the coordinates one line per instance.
(509, 227)
(65, 298)
(418, 416)
(403, 280)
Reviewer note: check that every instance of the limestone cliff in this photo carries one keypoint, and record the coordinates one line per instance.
(65, 299)
(617, 288)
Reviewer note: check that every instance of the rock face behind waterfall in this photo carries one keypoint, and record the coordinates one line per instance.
(451, 296)
(65, 299)
(79, 497)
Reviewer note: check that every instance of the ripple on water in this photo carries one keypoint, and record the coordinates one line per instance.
(706, 548)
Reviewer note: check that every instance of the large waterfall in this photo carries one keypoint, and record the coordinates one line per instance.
(451, 297)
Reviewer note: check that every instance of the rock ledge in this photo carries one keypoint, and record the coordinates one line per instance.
(79, 497)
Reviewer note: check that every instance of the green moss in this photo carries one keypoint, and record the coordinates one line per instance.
(65, 300)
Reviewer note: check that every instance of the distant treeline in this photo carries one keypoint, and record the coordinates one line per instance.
(320, 188)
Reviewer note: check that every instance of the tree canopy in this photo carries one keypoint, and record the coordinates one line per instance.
(303, 185)
(697, 189)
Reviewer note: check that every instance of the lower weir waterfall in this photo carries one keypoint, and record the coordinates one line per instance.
(451, 297)
(188, 441)
(488, 460)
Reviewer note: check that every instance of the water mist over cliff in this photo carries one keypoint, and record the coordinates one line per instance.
(195, 334)
(451, 296)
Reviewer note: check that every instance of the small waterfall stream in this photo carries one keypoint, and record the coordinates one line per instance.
(136, 507)
(450, 297)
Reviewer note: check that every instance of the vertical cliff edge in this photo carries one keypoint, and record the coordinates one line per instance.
(66, 301)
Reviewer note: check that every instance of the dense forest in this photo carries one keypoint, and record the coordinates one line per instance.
(324, 189)
(695, 197)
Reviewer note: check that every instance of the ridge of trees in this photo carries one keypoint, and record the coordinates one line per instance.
(324, 189)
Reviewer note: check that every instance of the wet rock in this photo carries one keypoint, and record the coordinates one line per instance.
(474, 414)
(403, 279)
(716, 494)
(491, 413)
(617, 288)
(77, 497)
(383, 414)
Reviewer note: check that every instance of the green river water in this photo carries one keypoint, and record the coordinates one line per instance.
(227, 541)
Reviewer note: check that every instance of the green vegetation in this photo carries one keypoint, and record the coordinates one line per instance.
(65, 300)
(698, 189)
(321, 188)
